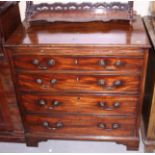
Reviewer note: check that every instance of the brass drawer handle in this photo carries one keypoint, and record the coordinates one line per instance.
(47, 125)
(113, 126)
(119, 63)
(103, 63)
(39, 81)
(102, 125)
(104, 106)
(43, 102)
(55, 103)
(116, 104)
(50, 63)
(41, 67)
(101, 83)
(53, 81)
(35, 62)
(117, 83)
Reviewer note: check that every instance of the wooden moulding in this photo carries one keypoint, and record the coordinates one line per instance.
(75, 12)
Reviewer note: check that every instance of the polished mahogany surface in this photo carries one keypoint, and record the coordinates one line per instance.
(11, 128)
(95, 33)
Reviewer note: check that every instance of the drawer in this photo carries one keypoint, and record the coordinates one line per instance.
(54, 63)
(78, 51)
(81, 104)
(80, 125)
(80, 83)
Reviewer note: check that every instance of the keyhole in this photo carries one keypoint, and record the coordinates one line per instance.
(77, 79)
(75, 61)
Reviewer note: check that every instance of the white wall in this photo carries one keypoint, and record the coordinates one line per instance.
(142, 7)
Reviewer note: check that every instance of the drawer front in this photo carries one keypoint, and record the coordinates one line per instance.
(81, 83)
(52, 63)
(79, 51)
(80, 125)
(96, 105)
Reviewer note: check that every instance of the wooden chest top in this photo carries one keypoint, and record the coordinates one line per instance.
(110, 34)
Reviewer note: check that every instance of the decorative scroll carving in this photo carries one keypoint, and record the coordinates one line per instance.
(84, 12)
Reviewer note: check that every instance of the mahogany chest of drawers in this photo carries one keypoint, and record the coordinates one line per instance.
(81, 81)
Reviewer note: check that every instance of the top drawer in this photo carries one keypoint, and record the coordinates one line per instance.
(81, 63)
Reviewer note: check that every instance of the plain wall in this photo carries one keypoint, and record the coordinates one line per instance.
(141, 7)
